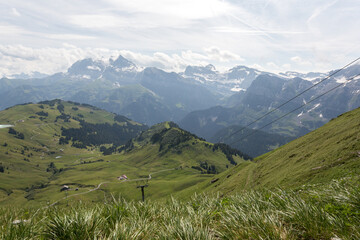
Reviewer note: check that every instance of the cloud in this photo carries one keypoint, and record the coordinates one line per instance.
(167, 62)
(69, 37)
(273, 66)
(215, 53)
(185, 9)
(15, 12)
(11, 30)
(96, 21)
(300, 61)
(16, 59)
(319, 10)
(250, 32)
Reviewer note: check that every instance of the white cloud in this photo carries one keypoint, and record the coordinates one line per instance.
(300, 61)
(186, 9)
(286, 66)
(69, 37)
(250, 32)
(16, 59)
(97, 21)
(15, 12)
(215, 53)
(175, 62)
(320, 10)
(10, 30)
(273, 66)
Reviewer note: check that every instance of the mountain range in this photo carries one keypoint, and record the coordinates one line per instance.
(201, 99)
(266, 93)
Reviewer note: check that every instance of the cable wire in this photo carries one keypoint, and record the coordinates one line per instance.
(256, 130)
(297, 95)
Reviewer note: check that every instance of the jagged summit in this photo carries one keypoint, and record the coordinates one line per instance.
(122, 62)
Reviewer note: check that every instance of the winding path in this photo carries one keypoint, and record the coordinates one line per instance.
(100, 184)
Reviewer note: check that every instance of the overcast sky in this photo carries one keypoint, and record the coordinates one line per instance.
(273, 35)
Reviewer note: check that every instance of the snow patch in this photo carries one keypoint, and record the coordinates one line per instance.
(341, 79)
(299, 115)
(6, 126)
(321, 115)
(116, 84)
(86, 76)
(316, 106)
(95, 68)
(126, 69)
(237, 89)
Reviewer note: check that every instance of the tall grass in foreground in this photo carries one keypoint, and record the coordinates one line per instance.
(310, 213)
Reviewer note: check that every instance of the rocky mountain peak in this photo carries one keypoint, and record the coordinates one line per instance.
(122, 62)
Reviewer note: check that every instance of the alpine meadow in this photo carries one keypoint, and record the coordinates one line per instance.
(185, 120)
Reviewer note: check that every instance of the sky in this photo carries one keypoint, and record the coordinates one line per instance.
(272, 35)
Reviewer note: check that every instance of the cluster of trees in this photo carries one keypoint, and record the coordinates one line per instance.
(18, 135)
(97, 134)
(205, 168)
(129, 145)
(109, 150)
(87, 162)
(229, 152)
(78, 145)
(51, 103)
(63, 141)
(64, 117)
(53, 169)
(42, 113)
(60, 107)
(120, 118)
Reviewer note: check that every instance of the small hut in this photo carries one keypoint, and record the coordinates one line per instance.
(64, 188)
(122, 177)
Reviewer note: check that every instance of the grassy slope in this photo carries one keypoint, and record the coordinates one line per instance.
(326, 212)
(330, 152)
(25, 180)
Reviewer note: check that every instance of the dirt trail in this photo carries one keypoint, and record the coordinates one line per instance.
(102, 183)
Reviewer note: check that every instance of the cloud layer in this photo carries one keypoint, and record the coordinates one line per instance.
(274, 35)
(16, 59)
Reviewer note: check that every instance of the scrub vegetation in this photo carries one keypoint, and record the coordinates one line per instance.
(313, 212)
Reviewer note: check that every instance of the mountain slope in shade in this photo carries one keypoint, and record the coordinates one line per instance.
(268, 92)
(249, 141)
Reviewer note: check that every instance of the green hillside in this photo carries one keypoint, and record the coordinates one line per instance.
(56, 143)
(330, 152)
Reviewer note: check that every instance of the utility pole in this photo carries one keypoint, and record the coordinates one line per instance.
(67, 200)
(142, 190)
